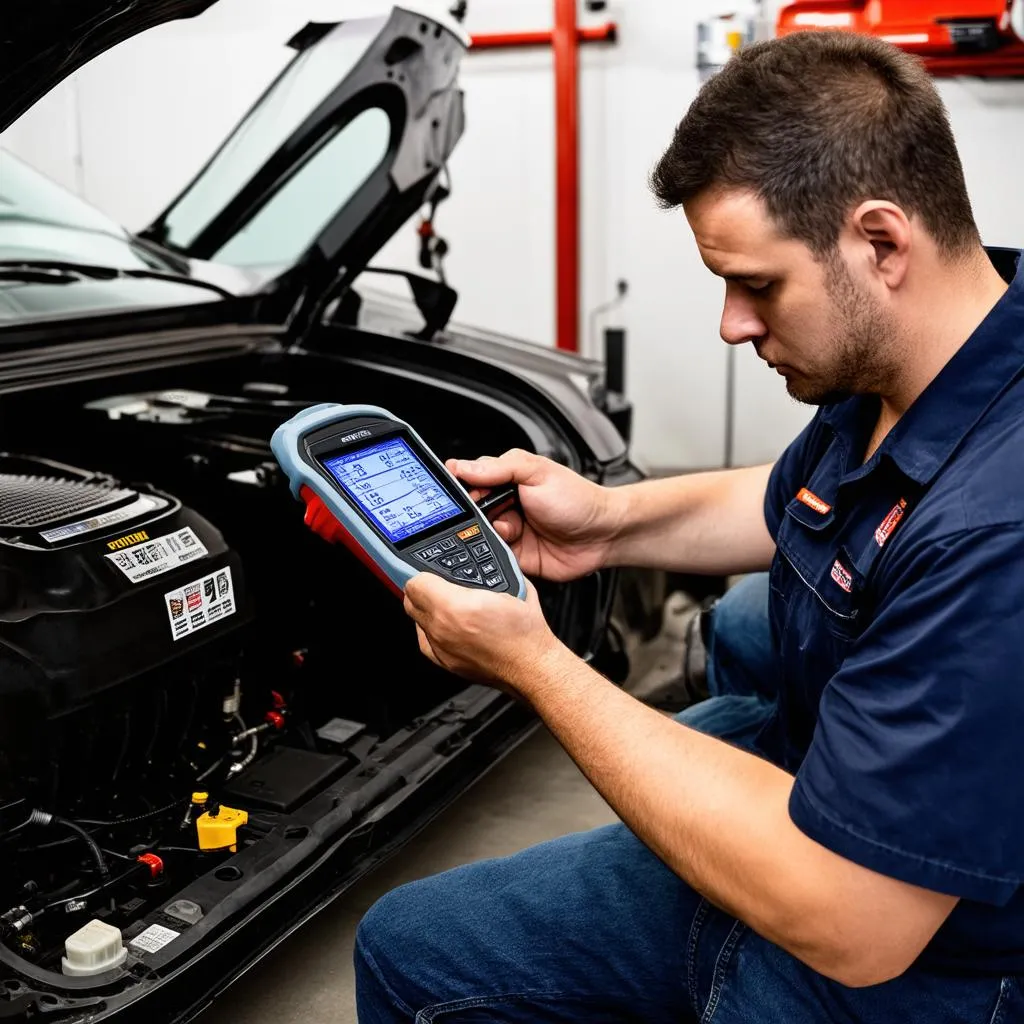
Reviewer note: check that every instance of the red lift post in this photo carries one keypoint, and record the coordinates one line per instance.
(567, 177)
(565, 39)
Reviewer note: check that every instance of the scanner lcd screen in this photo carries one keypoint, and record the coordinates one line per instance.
(394, 488)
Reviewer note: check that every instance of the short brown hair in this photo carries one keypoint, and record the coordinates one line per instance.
(815, 123)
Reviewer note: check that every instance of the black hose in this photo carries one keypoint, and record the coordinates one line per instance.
(97, 890)
(94, 848)
(54, 844)
(139, 817)
(17, 828)
(119, 856)
(43, 818)
(209, 771)
(98, 825)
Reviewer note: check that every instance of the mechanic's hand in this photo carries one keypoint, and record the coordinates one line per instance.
(486, 637)
(569, 523)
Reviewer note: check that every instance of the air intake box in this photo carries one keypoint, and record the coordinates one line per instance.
(99, 583)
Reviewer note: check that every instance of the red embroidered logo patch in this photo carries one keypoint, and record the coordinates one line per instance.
(890, 522)
(811, 500)
(842, 576)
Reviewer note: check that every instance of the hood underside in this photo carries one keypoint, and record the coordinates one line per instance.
(342, 148)
(43, 41)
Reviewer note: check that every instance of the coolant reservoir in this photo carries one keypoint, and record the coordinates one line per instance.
(93, 949)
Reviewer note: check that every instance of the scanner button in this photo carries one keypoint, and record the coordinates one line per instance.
(449, 561)
(469, 532)
(461, 557)
(467, 572)
(447, 543)
(495, 581)
(428, 553)
(488, 568)
(481, 550)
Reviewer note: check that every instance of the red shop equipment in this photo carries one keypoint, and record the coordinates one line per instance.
(954, 37)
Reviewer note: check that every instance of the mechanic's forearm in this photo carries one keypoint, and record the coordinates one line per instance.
(710, 523)
(716, 815)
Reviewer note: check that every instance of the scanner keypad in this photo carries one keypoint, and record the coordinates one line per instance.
(464, 558)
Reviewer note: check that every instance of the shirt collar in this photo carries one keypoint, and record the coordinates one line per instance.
(984, 366)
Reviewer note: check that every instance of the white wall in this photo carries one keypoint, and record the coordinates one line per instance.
(179, 88)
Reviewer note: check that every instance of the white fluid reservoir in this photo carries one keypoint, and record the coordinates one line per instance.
(93, 949)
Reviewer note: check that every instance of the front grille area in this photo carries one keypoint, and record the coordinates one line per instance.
(34, 501)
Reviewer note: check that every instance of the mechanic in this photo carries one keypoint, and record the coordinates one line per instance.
(855, 850)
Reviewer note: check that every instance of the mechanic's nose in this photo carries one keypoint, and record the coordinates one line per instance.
(740, 322)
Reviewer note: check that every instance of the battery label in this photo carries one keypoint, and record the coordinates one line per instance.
(159, 555)
(201, 603)
(143, 505)
(154, 938)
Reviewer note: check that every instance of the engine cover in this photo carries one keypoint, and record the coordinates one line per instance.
(99, 583)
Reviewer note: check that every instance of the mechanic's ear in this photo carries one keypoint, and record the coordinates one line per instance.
(886, 228)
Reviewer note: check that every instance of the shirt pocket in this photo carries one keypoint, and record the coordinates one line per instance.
(824, 565)
(841, 589)
(826, 568)
(847, 586)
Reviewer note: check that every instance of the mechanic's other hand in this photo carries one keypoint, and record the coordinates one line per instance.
(491, 638)
(568, 522)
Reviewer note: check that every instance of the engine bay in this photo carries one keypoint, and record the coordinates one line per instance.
(191, 682)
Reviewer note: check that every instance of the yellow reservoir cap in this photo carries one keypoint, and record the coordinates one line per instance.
(220, 832)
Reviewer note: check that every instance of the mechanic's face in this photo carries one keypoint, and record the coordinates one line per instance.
(810, 320)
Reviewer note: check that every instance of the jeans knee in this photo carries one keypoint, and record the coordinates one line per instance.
(741, 610)
(410, 925)
(381, 950)
(381, 931)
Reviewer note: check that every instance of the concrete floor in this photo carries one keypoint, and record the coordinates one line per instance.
(536, 793)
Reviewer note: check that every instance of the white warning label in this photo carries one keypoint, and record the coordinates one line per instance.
(196, 605)
(154, 938)
(160, 555)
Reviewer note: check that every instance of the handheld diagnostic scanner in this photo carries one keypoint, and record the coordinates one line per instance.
(369, 482)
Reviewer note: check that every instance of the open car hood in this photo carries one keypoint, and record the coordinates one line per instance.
(43, 41)
(342, 148)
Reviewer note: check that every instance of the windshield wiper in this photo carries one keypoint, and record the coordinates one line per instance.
(64, 272)
(36, 276)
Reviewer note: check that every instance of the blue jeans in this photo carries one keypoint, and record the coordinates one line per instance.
(594, 928)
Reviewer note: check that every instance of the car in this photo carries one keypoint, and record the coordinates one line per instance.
(211, 721)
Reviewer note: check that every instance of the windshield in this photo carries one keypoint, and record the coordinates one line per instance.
(42, 223)
(295, 212)
(286, 226)
(39, 220)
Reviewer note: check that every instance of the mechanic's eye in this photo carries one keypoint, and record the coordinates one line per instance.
(760, 287)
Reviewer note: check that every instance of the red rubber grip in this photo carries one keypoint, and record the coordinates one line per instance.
(322, 522)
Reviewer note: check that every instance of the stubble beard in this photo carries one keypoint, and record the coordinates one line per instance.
(861, 344)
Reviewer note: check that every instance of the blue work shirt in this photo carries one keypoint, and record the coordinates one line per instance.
(897, 608)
